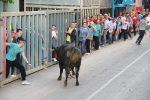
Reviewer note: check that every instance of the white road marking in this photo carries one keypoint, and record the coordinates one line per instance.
(101, 88)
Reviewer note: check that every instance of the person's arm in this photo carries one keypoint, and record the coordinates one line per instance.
(41, 37)
(25, 59)
(94, 29)
(73, 32)
(67, 30)
(87, 35)
(55, 34)
(7, 44)
(7, 36)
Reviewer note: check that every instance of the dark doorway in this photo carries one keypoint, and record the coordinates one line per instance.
(21, 4)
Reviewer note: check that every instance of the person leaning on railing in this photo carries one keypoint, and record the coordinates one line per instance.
(12, 61)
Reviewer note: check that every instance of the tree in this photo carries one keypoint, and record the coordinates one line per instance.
(5, 4)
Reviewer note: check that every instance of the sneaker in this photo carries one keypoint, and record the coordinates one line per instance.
(25, 83)
(103, 45)
(99, 47)
(43, 62)
(54, 59)
(136, 42)
(87, 53)
(13, 75)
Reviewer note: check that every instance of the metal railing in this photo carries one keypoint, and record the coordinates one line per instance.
(64, 2)
(32, 24)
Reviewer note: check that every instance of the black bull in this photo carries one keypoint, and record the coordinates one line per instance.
(69, 57)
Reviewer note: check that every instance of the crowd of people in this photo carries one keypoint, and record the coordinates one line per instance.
(94, 33)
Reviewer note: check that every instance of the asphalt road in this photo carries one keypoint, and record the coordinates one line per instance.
(120, 71)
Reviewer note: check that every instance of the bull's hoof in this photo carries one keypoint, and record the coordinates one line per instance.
(77, 84)
(59, 78)
(65, 83)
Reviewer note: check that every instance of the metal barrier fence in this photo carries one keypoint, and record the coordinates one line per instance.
(32, 24)
(90, 12)
(2, 50)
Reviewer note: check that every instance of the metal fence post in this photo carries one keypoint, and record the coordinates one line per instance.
(36, 43)
(28, 39)
(32, 39)
(1, 50)
(47, 37)
(24, 36)
(40, 40)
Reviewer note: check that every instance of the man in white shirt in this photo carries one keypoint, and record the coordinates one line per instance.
(125, 26)
(112, 29)
(123, 18)
(54, 36)
(106, 28)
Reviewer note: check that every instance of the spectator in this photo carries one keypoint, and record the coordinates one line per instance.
(107, 25)
(140, 16)
(128, 30)
(142, 25)
(71, 34)
(91, 30)
(43, 49)
(11, 59)
(135, 23)
(54, 37)
(16, 37)
(148, 18)
(112, 30)
(125, 26)
(83, 35)
(130, 23)
(102, 32)
(119, 33)
(96, 35)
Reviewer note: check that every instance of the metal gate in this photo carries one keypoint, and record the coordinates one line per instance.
(32, 24)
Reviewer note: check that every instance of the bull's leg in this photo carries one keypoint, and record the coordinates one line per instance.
(61, 71)
(77, 75)
(73, 73)
(67, 73)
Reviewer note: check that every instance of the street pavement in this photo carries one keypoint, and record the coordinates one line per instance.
(120, 71)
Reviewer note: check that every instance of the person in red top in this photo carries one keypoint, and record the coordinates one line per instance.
(135, 23)
(94, 20)
(98, 18)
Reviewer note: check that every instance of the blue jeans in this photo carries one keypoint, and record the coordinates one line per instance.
(68, 42)
(43, 53)
(110, 37)
(104, 37)
(82, 44)
(72, 43)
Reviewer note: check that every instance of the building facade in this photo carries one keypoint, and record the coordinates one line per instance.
(11, 7)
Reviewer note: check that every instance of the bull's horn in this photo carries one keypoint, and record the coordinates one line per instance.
(51, 50)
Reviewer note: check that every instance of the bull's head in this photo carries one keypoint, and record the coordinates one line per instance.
(56, 50)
